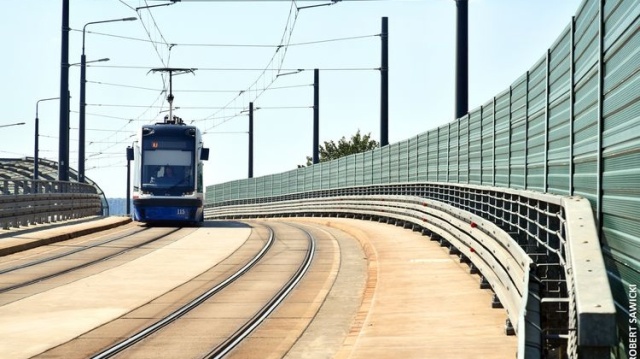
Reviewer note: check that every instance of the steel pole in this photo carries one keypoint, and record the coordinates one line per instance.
(316, 115)
(462, 58)
(35, 149)
(81, 121)
(129, 151)
(129, 159)
(250, 139)
(384, 84)
(37, 138)
(63, 143)
(83, 102)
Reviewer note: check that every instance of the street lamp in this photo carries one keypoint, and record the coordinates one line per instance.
(83, 82)
(92, 61)
(35, 150)
(13, 124)
(150, 6)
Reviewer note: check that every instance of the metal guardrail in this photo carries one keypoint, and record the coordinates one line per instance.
(539, 252)
(24, 202)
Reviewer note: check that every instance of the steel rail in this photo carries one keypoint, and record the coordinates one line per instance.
(62, 255)
(135, 338)
(86, 264)
(233, 341)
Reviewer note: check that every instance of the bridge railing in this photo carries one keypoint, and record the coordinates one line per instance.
(539, 252)
(24, 202)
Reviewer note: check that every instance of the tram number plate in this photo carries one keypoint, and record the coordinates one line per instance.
(182, 212)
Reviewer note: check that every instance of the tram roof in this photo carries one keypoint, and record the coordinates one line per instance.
(167, 128)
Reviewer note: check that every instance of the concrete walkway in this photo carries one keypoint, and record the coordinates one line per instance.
(419, 302)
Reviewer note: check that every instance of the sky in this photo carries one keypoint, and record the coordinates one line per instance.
(250, 51)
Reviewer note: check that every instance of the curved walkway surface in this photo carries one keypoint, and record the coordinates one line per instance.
(419, 302)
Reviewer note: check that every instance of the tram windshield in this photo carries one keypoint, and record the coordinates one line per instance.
(167, 169)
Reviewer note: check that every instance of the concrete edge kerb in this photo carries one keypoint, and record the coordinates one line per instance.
(363, 312)
(82, 230)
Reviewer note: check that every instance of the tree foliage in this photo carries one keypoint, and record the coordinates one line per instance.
(357, 143)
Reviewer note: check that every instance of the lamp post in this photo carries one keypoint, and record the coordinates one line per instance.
(35, 149)
(83, 82)
(462, 58)
(129, 159)
(63, 139)
(384, 83)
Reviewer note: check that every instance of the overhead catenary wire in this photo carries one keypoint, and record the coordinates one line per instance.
(133, 131)
(103, 153)
(108, 116)
(240, 1)
(165, 64)
(108, 165)
(159, 107)
(266, 78)
(180, 44)
(129, 121)
(160, 96)
(285, 42)
(138, 67)
(191, 90)
(123, 85)
(193, 107)
(164, 41)
(94, 129)
(291, 21)
(267, 0)
(127, 5)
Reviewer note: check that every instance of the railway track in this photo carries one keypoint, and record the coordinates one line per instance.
(244, 331)
(206, 316)
(83, 247)
(65, 261)
(276, 252)
(181, 311)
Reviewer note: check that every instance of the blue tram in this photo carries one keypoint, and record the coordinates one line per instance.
(167, 181)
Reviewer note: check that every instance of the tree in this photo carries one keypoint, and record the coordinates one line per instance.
(331, 151)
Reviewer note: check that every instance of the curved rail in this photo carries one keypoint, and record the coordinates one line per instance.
(237, 337)
(135, 338)
(539, 252)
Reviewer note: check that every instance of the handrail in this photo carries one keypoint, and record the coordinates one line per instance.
(24, 202)
(594, 304)
(528, 245)
(28, 186)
